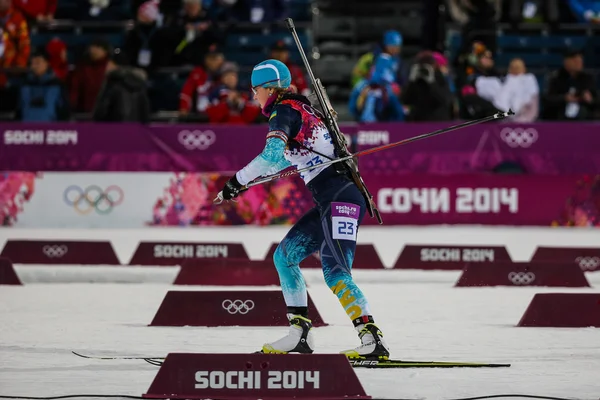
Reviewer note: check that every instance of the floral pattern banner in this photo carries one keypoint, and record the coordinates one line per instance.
(189, 201)
(186, 199)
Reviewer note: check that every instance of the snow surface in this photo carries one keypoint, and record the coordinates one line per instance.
(422, 315)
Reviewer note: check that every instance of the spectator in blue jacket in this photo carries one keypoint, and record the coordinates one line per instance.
(586, 10)
(42, 96)
(376, 97)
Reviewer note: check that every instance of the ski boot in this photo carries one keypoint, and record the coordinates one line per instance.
(372, 347)
(298, 340)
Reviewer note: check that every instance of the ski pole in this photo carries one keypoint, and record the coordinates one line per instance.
(372, 150)
(269, 178)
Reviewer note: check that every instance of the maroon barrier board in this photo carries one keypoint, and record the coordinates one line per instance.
(60, 252)
(8, 276)
(448, 257)
(588, 259)
(256, 376)
(227, 308)
(563, 310)
(522, 274)
(227, 272)
(365, 257)
(175, 253)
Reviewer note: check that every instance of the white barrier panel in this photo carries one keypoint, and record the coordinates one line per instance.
(92, 200)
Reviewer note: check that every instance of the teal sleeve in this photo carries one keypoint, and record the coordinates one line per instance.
(269, 161)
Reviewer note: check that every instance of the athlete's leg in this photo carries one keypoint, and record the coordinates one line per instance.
(340, 220)
(300, 242)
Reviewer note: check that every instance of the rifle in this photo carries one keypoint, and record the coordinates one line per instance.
(350, 165)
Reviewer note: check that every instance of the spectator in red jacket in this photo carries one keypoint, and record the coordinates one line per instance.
(15, 45)
(200, 83)
(229, 104)
(87, 79)
(281, 52)
(37, 10)
(57, 57)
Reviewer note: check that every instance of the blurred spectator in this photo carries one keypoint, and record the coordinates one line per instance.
(194, 33)
(427, 95)
(478, 19)
(15, 46)
(370, 102)
(444, 67)
(147, 45)
(97, 6)
(471, 66)
(571, 92)
(42, 96)
(229, 104)
(376, 98)
(57, 57)
(477, 62)
(281, 52)
(86, 80)
(124, 95)
(37, 10)
(532, 11)
(386, 56)
(586, 10)
(519, 92)
(267, 10)
(200, 84)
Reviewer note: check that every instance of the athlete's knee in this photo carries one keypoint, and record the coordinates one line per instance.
(280, 257)
(332, 279)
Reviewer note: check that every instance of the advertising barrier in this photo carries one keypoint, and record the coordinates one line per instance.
(129, 200)
(542, 148)
(256, 376)
(227, 308)
(60, 252)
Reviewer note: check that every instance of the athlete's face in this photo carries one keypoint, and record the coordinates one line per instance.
(262, 94)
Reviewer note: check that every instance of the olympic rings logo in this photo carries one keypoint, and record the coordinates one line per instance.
(55, 250)
(238, 306)
(521, 278)
(588, 263)
(200, 140)
(84, 201)
(519, 137)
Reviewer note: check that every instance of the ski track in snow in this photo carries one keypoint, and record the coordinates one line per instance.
(422, 316)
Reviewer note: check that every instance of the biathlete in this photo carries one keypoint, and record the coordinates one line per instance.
(298, 137)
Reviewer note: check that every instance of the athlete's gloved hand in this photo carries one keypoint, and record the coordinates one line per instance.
(232, 189)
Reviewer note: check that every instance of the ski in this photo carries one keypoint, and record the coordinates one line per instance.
(95, 357)
(356, 363)
(420, 364)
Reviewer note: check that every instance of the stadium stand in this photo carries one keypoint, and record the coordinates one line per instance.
(334, 34)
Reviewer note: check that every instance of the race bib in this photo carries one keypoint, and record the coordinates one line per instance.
(344, 221)
(144, 57)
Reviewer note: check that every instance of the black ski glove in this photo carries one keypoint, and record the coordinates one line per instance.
(232, 189)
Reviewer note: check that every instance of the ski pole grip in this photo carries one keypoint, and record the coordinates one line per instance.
(290, 24)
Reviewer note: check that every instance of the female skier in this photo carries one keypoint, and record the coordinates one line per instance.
(298, 137)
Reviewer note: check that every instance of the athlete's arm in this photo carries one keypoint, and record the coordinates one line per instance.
(283, 125)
